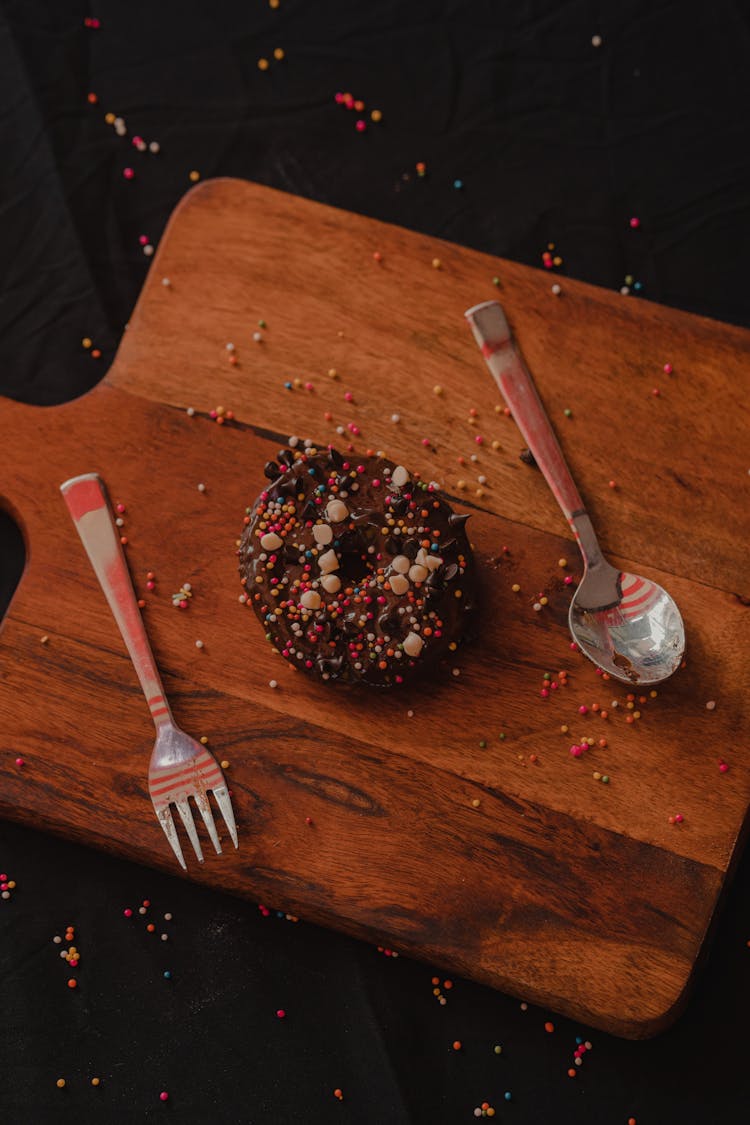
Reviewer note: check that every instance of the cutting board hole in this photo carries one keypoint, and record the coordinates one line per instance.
(12, 560)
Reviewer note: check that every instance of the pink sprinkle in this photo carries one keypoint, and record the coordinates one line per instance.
(668, 369)
(568, 580)
(128, 173)
(573, 646)
(280, 1013)
(150, 585)
(425, 442)
(544, 693)
(137, 140)
(328, 416)
(143, 239)
(583, 709)
(656, 392)
(164, 1096)
(479, 439)
(399, 679)
(378, 256)
(361, 126)
(376, 482)
(309, 387)
(349, 397)
(576, 751)
(128, 912)
(635, 222)
(338, 98)
(308, 820)
(723, 767)
(678, 818)
(120, 508)
(20, 762)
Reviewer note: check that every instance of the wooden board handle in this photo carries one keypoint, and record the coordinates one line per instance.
(87, 503)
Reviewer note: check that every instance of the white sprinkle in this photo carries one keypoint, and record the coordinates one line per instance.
(154, 147)
(456, 671)
(165, 937)
(190, 411)
(410, 714)
(273, 683)
(397, 418)
(625, 290)
(596, 40)
(711, 705)
(340, 430)
(166, 282)
(230, 347)
(57, 939)
(482, 479)
(187, 587)
(148, 249)
(475, 457)
(556, 289)
(167, 917)
(120, 521)
(537, 606)
(257, 336)
(199, 644)
(201, 487)
(293, 441)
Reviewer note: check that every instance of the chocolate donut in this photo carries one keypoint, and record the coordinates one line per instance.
(357, 571)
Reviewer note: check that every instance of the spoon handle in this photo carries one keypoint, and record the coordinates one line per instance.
(509, 371)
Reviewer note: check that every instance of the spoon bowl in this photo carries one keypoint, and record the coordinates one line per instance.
(639, 638)
(627, 625)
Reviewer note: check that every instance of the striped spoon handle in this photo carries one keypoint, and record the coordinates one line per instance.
(507, 368)
(87, 503)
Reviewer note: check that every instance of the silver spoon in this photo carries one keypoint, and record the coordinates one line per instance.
(627, 625)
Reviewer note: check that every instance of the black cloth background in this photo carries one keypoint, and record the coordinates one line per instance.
(554, 139)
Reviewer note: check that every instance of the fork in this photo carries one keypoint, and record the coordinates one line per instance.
(180, 767)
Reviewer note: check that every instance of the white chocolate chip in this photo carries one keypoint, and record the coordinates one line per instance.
(322, 533)
(418, 573)
(401, 564)
(399, 476)
(331, 583)
(422, 557)
(336, 511)
(270, 541)
(413, 644)
(310, 600)
(433, 562)
(328, 562)
(399, 583)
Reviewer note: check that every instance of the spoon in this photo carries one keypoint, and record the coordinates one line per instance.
(627, 625)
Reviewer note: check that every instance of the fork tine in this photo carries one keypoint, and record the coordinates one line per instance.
(164, 817)
(186, 815)
(225, 806)
(201, 801)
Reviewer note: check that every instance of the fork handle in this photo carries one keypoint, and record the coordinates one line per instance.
(87, 503)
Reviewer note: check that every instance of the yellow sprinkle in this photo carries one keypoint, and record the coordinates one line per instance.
(43, 639)
(437, 390)
(376, 115)
(194, 176)
(225, 764)
(333, 373)
(475, 803)
(479, 492)
(262, 64)
(564, 728)
(636, 714)
(653, 694)
(515, 588)
(60, 1083)
(86, 342)
(457, 594)
(109, 118)
(203, 740)
(453, 646)
(95, 1081)
(597, 776)
(543, 601)
(278, 53)
(436, 263)
(496, 445)
(461, 484)
(562, 562)
(498, 408)
(273, 4)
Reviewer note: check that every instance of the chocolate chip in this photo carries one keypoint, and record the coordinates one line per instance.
(271, 470)
(528, 458)
(457, 520)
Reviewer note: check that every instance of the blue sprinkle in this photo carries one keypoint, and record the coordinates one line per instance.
(507, 1095)
(433, 546)
(638, 286)
(279, 913)
(167, 974)
(311, 472)
(288, 386)
(458, 184)
(578, 1040)
(308, 554)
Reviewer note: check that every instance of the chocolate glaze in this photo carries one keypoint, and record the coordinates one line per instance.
(364, 631)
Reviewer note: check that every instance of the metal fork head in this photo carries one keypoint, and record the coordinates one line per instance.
(181, 768)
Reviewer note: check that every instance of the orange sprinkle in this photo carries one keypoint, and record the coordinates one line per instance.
(456, 1044)
(549, 1027)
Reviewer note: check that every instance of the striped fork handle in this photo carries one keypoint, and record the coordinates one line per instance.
(87, 503)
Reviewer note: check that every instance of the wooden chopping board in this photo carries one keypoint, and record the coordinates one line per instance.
(449, 820)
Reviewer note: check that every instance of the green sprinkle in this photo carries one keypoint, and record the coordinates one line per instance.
(496, 281)
(261, 324)
(547, 676)
(605, 779)
(502, 736)
(482, 743)
(568, 412)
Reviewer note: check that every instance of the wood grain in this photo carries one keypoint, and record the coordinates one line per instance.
(550, 862)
